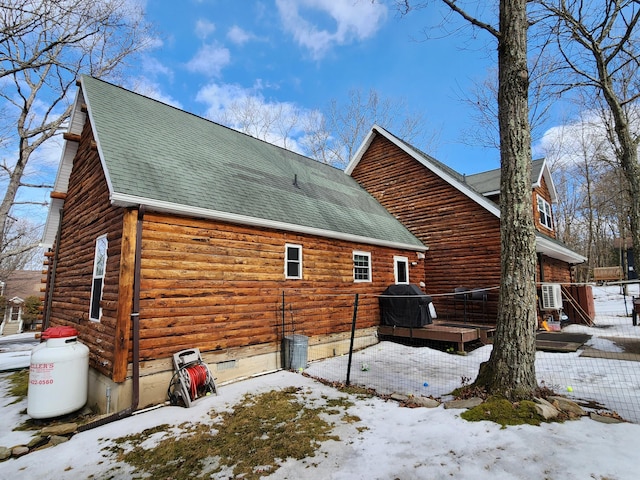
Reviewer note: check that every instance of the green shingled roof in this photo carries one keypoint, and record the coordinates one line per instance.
(488, 182)
(164, 155)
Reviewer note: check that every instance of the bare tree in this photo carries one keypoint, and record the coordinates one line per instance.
(332, 135)
(598, 44)
(579, 158)
(277, 123)
(349, 123)
(510, 370)
(482, 98)
(44, 46)
(19, 238)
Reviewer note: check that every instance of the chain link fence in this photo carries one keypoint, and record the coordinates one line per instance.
(597, 366)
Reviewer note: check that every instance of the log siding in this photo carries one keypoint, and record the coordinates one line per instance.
(463, 238)
(88, 215)
(218, 286)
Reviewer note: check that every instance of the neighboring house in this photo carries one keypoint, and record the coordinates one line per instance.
(167, 231)
(17, 287)
(458, 216)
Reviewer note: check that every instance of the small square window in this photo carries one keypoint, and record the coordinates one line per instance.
(361, 266)
(293, 261)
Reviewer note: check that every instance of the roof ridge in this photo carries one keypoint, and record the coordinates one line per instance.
(457, 175)
(199, 117)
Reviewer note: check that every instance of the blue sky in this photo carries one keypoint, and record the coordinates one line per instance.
(308, 52)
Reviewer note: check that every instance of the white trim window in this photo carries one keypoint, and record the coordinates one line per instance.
(401, 270)
(544, 208)
(361, 266)
(292, 261)
(97, 285)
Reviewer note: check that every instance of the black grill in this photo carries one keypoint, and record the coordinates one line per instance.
(405, 306)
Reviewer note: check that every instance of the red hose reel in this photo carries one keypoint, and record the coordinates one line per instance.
(192, 379)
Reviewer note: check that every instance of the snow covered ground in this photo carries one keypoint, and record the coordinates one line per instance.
(401, 442)
(613, 383)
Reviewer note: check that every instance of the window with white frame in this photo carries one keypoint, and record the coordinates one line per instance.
(293, 261)
(401, 269)
(99, 268)
(545, 213)
(361, 266)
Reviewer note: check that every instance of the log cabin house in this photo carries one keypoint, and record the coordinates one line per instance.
(16, 287)
(167, 231)
(458, 216)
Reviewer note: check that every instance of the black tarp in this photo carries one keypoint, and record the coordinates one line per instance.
(404, 306)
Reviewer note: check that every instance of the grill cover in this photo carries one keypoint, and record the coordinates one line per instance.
(405, 306)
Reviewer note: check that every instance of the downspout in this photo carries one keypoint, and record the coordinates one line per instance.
(135, 323)
(541, 267)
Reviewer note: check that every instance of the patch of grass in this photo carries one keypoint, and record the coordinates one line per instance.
(355, 390)
(19, 385)
(504, 412)
(248, 442)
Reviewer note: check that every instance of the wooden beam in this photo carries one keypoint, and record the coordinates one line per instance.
(125, 295)
(58, 195)
(71, 137)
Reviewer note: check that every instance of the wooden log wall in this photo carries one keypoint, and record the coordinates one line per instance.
(463, 238)
(216, 286)
(554, 271)
(87, 215)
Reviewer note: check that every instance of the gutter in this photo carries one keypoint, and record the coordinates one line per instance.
(127, 201)
(135, 322)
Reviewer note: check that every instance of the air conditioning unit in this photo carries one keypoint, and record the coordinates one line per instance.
(551, 296)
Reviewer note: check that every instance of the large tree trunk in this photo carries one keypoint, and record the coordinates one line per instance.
(627, 153)
(510, 371)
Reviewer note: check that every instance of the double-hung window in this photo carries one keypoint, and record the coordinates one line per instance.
(361, 266)
(99, 268)
(544, 208)
(293, 261)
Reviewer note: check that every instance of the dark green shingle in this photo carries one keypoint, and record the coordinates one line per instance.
(160, 153)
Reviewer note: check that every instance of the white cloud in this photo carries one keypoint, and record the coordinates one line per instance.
(584, 137)
(219, 97)
(354, 21)
(152, 66)
(248, 111)
(239, 36)
(151, 89)
(574, 142)
(209, 60)
(204, 28)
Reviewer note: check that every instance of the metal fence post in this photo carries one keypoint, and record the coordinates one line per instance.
(353, 334)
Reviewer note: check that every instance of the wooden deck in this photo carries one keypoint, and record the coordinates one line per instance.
(441, 331)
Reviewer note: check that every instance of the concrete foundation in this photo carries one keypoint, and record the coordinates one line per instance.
(106, 396)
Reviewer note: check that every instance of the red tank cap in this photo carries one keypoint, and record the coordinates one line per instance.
(59, 332)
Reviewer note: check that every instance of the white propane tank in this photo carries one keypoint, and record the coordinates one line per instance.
(58, 374)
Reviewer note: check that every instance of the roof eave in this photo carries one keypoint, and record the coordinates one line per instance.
(461, 187)
(124, 200)
(554, 250)
(546, 173)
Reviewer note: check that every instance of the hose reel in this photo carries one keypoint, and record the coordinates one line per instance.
(192, 379)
